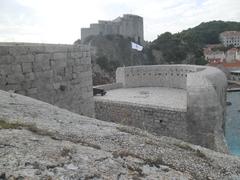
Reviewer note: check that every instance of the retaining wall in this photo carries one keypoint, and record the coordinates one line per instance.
(57, 74)
(153, 119)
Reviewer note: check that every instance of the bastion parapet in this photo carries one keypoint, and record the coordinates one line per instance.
(199, 121)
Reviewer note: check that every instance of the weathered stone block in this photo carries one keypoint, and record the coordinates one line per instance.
(56, 85)
(29, 76)
(32, 91)
(59, 63)
(12, 87)
(76, 55)
(14, 79)
(42, 57)
(44, 75)
(22, 92)
(7, 59)
(77, 69)
(25, 58)
(60, 55)
(18, 50)
(27, 85)
(16, 68)
(42, 65)
(26, 67)
(4, 51)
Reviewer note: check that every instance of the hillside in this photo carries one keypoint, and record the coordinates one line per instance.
(41, 141)
(186, 46)
(208, 33)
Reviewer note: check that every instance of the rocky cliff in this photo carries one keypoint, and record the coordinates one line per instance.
(41, 141)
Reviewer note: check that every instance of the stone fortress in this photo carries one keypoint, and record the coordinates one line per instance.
(129, 26)
(182, 101)
(40, 141)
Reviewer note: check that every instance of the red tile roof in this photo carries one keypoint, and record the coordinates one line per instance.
(230, 33)
(226, 65)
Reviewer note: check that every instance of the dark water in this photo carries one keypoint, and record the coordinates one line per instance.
(232, 127)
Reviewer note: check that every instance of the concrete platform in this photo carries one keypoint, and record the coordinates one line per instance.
(165, 98)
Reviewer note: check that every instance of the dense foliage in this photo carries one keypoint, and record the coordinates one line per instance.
(186, 46)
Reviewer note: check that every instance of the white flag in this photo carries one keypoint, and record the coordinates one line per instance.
(136, 46)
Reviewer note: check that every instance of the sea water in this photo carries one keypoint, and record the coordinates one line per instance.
(232, 126)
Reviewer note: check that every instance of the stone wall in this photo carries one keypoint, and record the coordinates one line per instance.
(174, 76)
(152, 119)
(203, 121)
(57, 74)
(206, 106)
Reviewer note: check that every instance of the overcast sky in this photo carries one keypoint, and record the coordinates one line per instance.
(59, 21)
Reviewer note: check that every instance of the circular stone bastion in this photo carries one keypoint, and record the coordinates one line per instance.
(182, 101)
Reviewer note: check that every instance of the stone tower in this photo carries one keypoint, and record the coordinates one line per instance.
(129, 26)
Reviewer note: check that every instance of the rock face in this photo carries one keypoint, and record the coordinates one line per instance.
(41, 141)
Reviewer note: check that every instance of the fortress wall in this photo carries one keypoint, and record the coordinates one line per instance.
(57, 74)
(203, 121)
(206, 104)
(152, 119)
(132, 26)
(85, 32)
(173, 76)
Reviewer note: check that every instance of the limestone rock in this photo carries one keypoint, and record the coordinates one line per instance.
(41, 141)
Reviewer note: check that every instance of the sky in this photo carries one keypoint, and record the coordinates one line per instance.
(60, 21)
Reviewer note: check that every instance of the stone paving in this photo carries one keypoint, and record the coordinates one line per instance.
(153, 96)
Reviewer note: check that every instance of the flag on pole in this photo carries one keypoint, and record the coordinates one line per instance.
(136, 46)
